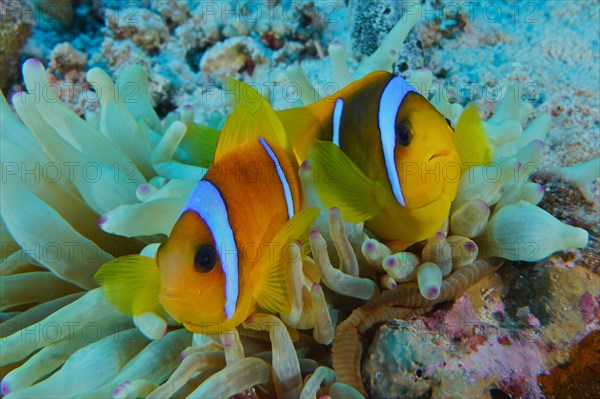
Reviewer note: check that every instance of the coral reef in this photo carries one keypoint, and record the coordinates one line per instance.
(189, 44)
(231, 56)
(60, 11)
(488, 340)
(578, 377)
(567, 201)
(147, 30)
(16, 29)
(398, 366)
(370, 21)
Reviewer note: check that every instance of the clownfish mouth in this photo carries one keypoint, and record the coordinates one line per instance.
(171, 296)
(438, 155)
(441, 198)
(176, 294)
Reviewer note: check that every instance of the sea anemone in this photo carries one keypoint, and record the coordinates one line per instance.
(65, 176)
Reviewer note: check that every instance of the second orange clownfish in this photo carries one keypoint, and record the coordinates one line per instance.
(385, 156)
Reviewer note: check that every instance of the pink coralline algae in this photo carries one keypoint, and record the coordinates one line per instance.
(463, 352)
(589, 306)
(514, 364)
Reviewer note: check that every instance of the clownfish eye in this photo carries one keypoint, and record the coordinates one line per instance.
(449, 122)
(404, 134)
(205, 258)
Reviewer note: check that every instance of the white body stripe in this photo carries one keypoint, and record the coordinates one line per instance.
(337, 119)
(284, 182)
(391, 98)
(207, 202)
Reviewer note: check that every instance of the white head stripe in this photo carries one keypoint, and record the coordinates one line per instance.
(391, 98)
(337, 119)
(284, 182)
(207, 202)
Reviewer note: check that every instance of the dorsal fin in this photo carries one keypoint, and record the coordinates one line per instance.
(303, 125)
(307, 124)
(252, 117)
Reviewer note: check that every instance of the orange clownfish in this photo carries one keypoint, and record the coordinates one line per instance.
(385, 156)
(223, 258)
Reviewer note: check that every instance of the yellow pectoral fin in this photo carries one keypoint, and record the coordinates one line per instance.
(272, 294)
(252, 117)
(132, 284)
(340, 183)
(470, 140)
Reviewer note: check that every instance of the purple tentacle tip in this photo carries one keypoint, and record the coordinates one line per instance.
(182, 355)
(470, 246)
(187, 107)
(541, 188)
(334, 211)
(539, 144)
(227, 341)
(19, 96)
(391, 261)
(33, 62)
(370, 246)
(433, 292)
(316, 286)
(117, 390)
(4, 388)
(483, 204)
(102, 220)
